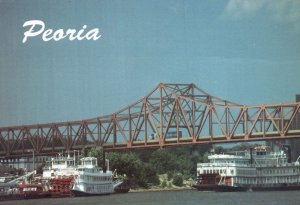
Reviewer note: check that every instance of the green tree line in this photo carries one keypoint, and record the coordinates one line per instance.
(142, 168)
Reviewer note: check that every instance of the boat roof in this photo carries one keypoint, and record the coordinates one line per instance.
(88, 158)
(226, 156)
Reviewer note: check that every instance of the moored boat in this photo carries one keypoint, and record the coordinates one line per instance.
(33, 191)
(85, 179)
(9, 191)
(256, 170)
(91, 179)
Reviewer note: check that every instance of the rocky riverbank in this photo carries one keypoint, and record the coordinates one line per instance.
(166, 185)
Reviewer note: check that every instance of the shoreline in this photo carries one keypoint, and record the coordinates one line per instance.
(160, 189)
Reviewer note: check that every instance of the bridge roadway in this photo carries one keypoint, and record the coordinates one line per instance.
(170, 115)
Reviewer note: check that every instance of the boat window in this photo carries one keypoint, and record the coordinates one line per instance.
(58, 162)
(87, 162)
(70, 163)
(94, 162)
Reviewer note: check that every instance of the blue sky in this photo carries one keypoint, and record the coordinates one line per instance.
(246, 51)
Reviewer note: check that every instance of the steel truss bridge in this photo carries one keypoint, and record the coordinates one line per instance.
(171, 114)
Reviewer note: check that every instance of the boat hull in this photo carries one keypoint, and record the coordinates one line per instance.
(226, 188)
(207, 182)
(36, 195)
(81, 193)
(206, 187)
(277, 188)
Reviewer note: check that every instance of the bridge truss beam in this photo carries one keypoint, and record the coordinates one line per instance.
(171, 114)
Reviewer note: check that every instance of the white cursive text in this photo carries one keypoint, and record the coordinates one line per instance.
(37, 27)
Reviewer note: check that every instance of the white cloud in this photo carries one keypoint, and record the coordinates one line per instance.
(243, 8)
(280, 11)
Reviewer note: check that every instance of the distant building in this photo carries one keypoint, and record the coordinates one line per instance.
(25, 163)
(4, 169)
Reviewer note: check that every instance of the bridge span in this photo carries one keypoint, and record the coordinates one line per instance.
(171, 114)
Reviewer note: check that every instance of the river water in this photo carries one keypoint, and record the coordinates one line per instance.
(184, 197)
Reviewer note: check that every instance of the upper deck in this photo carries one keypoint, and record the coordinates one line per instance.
(259, 156)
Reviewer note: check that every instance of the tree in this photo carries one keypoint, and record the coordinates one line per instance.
(39, 169)
(178, 180)
(20, 171)
(98, 153)
(219, 150)
(151, 176)
(168, 160)
(83, 153)
(176, 160)
(163, 160)
(127, 164)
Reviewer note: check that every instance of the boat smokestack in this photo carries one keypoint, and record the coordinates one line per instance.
(104, 161)
(251, 155)
(288, 152)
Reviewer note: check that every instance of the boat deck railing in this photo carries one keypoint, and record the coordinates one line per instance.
(117, 182)
(200, 165)
(221, 165)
